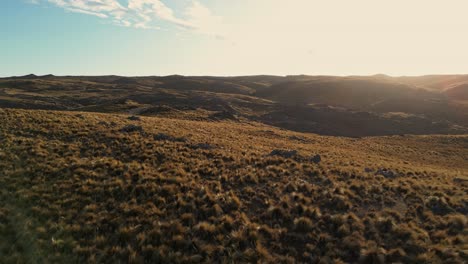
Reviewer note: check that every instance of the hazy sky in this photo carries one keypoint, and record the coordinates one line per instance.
(233, 37)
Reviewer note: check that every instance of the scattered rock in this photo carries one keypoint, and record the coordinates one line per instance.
(386, 173)
(107, 124)
(157, 110)
(460, 180)
(293, 154)
(300, 139)
(223, 115)
(316, 159)
(165, 137)
(284, 153)
(131, 128)
(205, 146)
(268, 132)
(134, 118)
(368, 170)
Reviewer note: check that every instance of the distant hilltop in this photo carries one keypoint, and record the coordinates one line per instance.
(351, 106)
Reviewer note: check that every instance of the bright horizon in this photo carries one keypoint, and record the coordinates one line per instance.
(233, 38)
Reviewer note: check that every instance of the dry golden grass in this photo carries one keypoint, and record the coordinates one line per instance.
(88, 187)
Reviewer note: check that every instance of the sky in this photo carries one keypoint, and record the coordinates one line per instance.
(237, 37)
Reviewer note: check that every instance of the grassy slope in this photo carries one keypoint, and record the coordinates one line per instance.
(73, 184)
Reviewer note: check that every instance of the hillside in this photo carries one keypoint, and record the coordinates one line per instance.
(352, 106)
(435, 82)
(375, 95)
(114, 188)
(458, 92)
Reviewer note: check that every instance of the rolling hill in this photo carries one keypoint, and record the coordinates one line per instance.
(352, 106)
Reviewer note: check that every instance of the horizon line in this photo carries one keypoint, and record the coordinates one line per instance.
(231, 76)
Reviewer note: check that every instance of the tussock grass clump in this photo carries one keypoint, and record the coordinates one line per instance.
(303, 224)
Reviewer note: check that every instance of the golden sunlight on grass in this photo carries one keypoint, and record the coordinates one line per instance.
(104, 188)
